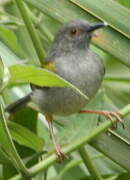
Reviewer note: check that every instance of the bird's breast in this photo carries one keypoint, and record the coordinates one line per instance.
(84, 70)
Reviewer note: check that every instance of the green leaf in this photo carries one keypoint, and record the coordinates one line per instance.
(9, 19)
(117, 18)
(116, 145)
(3, 136)
(24, 41)
(8, 144)
(8, 171)
(70, 169)
(28, 119)
(125, 176)
(26, 44)
(7, 55)
(4, 75)
(39, 76)
(114, 148)
(116, 81)
(9, 38)
(25, 137)
(4, 158)
(35, 75)
(125, 3)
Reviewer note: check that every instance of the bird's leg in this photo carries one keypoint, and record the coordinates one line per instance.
(108, 114)
(60, 155)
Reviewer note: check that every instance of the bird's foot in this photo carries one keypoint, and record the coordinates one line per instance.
(109, 115)
(60, 155)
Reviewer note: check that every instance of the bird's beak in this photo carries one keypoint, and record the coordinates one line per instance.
(93, 27)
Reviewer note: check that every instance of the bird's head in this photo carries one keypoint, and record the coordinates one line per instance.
(76, 34)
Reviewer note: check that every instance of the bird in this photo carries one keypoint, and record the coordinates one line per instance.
(71, 57)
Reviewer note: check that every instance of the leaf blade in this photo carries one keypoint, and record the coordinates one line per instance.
(39, 76)
(25, 137)
(117, 18)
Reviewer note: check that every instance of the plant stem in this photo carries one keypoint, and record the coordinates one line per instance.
(13, 152)
(125, 111)
(43, 165)
(117, 79)
(31, 30)
(42, 29)
(89, 164)
(114, 177)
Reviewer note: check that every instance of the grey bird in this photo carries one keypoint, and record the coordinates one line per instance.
(72, 59)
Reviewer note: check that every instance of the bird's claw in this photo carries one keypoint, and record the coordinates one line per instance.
(60, 155)
(110, 115)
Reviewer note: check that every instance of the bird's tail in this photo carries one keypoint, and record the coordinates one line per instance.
(11, 108)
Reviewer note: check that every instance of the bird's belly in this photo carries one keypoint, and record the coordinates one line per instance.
(65, 101)
(58, 101)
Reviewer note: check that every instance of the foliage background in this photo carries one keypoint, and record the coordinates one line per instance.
(107, 155)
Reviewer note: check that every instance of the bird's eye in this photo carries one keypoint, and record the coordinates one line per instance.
(73, 32)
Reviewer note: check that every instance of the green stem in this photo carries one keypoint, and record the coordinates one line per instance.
(43, 165)
(89, 164)
(31, 30)
(43, 29)
(13, 152)
(44, 33)
(117, 79)
(125, 111)
(113, 177)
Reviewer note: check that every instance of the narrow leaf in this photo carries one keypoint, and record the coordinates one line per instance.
(25, 137)
(9, 38)
(110, 11)
(39, 76)
(4, 75)
(113, 148)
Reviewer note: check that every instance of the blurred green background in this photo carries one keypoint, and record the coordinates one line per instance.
(109, 153)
